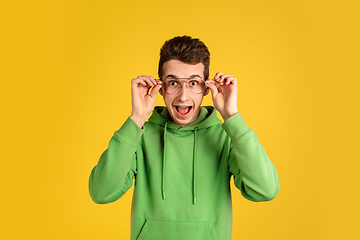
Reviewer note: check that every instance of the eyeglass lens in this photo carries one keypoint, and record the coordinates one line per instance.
(195, 85)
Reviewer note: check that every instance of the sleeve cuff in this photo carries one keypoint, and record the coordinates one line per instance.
(130, 132)
(235, 126)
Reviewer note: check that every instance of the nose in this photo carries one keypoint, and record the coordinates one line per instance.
(183, 92)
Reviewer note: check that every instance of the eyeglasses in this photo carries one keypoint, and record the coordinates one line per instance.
(196, 85)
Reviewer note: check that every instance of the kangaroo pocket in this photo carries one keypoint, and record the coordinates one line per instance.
(169, 230)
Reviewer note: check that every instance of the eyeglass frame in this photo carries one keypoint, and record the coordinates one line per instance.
(186, 84)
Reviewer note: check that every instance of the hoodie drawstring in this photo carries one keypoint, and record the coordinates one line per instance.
(194, 187)
(194, 168)
(163, 167)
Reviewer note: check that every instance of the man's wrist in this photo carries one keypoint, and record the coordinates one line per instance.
(227, 115)
(138, 120)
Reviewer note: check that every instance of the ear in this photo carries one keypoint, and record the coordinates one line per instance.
(161, 92)
(207, 90)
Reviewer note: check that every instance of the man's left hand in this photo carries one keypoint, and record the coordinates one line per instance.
(224, 94)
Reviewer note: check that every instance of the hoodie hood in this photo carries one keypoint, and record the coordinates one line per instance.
(207, 118)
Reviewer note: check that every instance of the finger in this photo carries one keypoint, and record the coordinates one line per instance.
(137, 81)
(152, 79)
(225, 79)
(154, 91)
(158, 81)
(229, 80)
(218, 75)
(222, 78)
(213, 88)
(232, 81)
(148, 81)
(141, 82)
(211, 81)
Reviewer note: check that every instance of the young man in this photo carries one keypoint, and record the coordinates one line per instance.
(183, 157)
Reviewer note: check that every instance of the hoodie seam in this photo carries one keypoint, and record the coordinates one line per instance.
(242, 136)
(124, 140)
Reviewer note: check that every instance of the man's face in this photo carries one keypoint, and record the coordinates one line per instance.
(183, 105)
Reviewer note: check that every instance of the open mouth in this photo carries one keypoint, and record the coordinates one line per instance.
(183, 110)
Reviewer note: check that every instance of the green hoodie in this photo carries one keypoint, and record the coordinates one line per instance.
(182, 175)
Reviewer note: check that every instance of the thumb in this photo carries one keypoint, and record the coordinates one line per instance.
(213, 88)
(154, 91)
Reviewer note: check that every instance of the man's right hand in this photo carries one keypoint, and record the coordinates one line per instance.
(143, 102)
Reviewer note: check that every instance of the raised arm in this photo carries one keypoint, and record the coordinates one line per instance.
(254, 173)
(113, 175)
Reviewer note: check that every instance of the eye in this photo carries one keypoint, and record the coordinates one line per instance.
(193, 83)
(172, 83)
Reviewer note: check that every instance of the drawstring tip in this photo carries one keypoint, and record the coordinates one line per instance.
(163, 195)
(194, 200)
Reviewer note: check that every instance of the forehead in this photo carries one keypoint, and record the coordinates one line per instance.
(182, 70)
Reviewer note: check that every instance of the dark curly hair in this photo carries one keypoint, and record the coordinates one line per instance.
(185, 49)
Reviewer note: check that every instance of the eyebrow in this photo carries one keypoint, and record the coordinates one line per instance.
(173, 76)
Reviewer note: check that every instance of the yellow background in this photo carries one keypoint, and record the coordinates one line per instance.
(66, 68)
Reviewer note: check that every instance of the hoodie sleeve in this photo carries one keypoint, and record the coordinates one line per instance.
(113, 175)
(254, 173)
